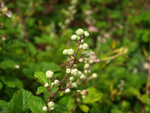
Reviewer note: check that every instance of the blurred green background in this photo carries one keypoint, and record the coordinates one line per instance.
(33, 37)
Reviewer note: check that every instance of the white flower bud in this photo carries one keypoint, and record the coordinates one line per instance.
(68, 70)
(82, 41)
(74, 72)
(94, 75)
(74, 84)
(71, 78)
(85, 46)
(51, 104)
(86, 33)
(85, 71)
(80, 32)
(81, 60)
(52, 83)
(91, 61)
(67, 90)
(86, 66)
(80, 46)
(52, 108)
(78, 38)
(46, 85)
(82, 77)
(49, 74)
(73, 37)
(56, 82)
(65, 52)
(75, 65)
(70, 52)
(44, 108)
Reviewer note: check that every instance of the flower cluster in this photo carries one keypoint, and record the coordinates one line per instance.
(74, 76)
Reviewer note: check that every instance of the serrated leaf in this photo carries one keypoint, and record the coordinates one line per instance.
(41, 77)
(40, 89)
(93, 95)
(84, 108)
(12, 82)
(36, 104)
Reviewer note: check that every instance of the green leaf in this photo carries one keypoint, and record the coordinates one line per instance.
(95, 110)
(20, 100)
(36, 104)
(1, 85)
(7, 64)
(68, 101)
(3, 103)
(12, 82)
(134, 92)
(41, 77)
(59, 108)
(40, 89)
(145, 99)
(93, 95)
(84, 108)
(115, 111)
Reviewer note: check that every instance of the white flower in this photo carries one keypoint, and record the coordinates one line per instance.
(94, 75)
(65, 52)
(86, 66)
(82, 77)
(44, 108)
(52, 83)
(56, 82)
(51, 104)
(46, 85)
(86, 33)
(74, 84)
(49, 74)
(85, 46)
(71, 78)
(73, 37)
(74, 72)
(70, 52)
(67, 90)
(79, 32)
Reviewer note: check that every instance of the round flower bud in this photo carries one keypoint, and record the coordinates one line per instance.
(80, 46)
(75, 65)
(51, 104)
(52, 83)
(78, 38)
(68, 70)
(80, 32)
(46, 85)
(73, 37)
(65, 52)
(81, 60)
(49, 74)
(86, 66)
(91, 61)
(82, 77)
(86, 33)
(94, 75)
(74, 84)
(52, 108)
(85, 71)
(82, 41)
(56, 82)
(44, 108)
(80, 73)
(71, 78)
(74, 72)
(70, 52)
(85, 46)
(67, 90)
